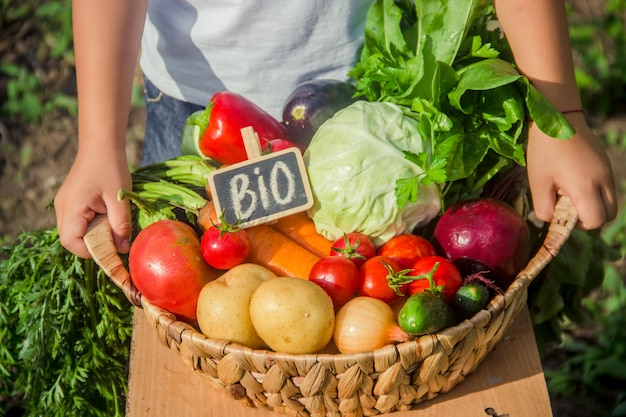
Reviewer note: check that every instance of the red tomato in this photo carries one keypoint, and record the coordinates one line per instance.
(446, 276)
(338, 276)
(355, 246)
(225, 248)
(373, 279)
(166, 266)
(407, 249)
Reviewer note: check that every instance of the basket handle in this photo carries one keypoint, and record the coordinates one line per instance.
(563, 222)
(99, 241)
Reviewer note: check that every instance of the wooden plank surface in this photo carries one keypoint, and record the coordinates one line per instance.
(509, 383)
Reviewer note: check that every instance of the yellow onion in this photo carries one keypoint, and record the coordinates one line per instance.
(365, 324)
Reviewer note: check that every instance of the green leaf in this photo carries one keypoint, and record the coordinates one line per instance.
(429, 115)
(545, 115)
(464, 152)
(479, 49)
(506, 146)
(504, 108)
(443, 25)
(482, 75)
(382, 29)
(388, 68)
(436, 172)
(406, 190)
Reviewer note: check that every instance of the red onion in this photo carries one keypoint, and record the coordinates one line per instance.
(484, 235)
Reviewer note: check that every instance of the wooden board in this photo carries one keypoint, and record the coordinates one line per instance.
(509, 383)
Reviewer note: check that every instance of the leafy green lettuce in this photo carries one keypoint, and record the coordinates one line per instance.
(353, 163)
(448, 65)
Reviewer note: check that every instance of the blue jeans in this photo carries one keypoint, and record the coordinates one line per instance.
(165, 118)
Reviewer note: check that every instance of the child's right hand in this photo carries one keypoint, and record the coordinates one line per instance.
(91, 188)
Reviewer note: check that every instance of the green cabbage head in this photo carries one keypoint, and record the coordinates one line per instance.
(353, 162)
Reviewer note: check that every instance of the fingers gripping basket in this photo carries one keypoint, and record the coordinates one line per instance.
(389, 379)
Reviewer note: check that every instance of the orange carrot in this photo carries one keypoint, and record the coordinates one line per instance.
(274, 250)
(300, 228)
(278, 253)
(207, 216)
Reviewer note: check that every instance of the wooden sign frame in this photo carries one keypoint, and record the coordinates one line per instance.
(263, 188)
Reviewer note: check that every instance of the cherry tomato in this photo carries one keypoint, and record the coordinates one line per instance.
(374, 281)
(225, 247)
(407, 249)
(166, 265)
(338, 276)
(446, 276)
(355, 246)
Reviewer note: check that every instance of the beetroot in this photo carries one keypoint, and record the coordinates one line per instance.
(484, 235)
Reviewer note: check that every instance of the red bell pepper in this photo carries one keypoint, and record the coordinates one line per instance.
(218, 127)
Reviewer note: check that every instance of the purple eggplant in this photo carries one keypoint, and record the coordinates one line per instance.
(311, 104)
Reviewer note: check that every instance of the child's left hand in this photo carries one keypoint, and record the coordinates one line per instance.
(578, 168)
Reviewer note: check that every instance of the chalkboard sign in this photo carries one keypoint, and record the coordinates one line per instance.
(262, 189)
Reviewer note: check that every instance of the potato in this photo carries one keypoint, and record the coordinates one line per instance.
(292, 315)
(224, 305)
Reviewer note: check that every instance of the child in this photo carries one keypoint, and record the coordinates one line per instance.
(258, 49)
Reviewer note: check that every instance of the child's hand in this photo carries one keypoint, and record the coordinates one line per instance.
(578, 168)
(91, 188)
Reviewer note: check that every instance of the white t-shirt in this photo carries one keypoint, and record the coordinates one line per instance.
(261, 49)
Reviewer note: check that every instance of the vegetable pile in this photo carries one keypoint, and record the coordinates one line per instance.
(400, 240)
(319, 287)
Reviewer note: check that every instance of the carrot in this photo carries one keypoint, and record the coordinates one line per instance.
(271, 248)
(300, 228)
(208, 213)
(278, 253)
(207, 216)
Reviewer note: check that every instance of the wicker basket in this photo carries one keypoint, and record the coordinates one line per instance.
(389, 379)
